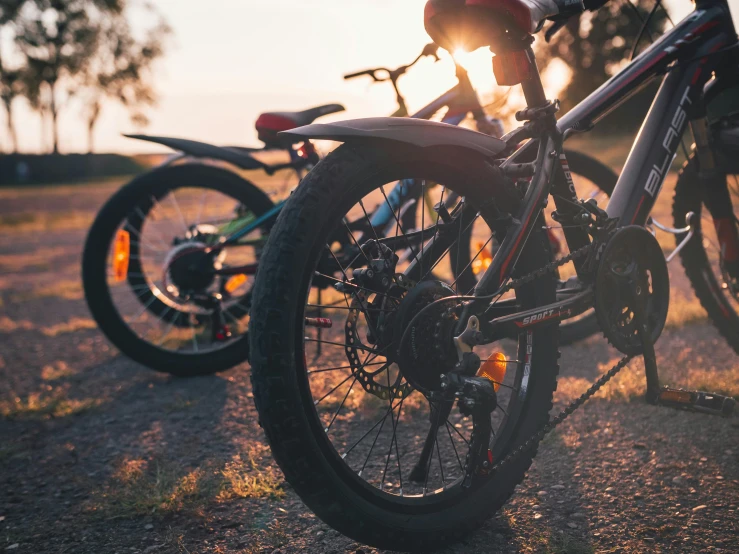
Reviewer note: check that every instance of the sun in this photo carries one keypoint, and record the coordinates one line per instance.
(479, 66)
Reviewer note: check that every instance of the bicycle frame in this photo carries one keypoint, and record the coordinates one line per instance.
(460, 100)
(688, 54)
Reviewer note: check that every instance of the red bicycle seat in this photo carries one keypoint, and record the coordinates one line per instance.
(270, 123)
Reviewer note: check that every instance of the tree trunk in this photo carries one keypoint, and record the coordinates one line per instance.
(11, 127)
(91, 122)
(54, 123)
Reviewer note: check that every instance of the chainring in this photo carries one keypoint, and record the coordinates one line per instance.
(631, 254)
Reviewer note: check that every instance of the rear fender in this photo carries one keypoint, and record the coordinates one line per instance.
(240, 158)
(413, 132)
(455, 147)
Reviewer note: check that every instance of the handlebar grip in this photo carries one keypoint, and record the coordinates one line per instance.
(359, 74)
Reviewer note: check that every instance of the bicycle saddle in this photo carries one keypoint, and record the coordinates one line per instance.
(470, 24)
(270, 123)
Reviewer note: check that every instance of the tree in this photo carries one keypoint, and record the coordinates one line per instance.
(598, 45)
(57, 37)
(120, 70)
(11, 80)
(11, 87)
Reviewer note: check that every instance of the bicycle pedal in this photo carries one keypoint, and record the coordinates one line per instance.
(697, 401)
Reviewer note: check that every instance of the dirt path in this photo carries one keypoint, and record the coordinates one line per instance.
(98, 454)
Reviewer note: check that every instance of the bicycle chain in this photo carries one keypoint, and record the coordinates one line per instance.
(537, 437)
(551, 266)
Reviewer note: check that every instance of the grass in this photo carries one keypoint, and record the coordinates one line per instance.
(49, 403)
(143, 487)
(244, 479)
(159, 486)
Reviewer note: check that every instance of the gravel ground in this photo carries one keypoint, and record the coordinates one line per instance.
(98, 454)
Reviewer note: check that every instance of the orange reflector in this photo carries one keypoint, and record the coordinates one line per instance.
(678, 396)
(235, 282)
(483, 260)
(494, 369)
(121, 255)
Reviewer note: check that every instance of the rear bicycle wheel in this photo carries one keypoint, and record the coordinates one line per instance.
(149, 281)
(348, 430)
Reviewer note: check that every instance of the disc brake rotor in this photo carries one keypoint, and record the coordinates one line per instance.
(355, 350)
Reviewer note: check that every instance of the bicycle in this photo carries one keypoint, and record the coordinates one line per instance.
(171, 288)
(366, 434)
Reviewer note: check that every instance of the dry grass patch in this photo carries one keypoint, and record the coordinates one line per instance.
(56, 370)
(142, 487)
(46, 404)
(7, 325)
(243, 478)
(159, 486)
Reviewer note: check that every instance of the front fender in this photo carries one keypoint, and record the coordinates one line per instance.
(197, 149)
(414, 132)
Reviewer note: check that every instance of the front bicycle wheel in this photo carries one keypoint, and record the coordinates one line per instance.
(704, 259)
(353, 429)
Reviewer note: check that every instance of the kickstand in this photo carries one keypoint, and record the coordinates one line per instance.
(694, 401)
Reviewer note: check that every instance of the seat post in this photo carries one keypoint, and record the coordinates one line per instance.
(533, 90)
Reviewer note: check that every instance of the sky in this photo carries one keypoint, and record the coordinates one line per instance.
(229, 60)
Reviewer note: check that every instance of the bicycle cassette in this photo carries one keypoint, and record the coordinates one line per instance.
(631, 270)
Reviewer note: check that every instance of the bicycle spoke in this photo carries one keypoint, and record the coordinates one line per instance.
(323, 370)
(366, 349)
(457, 431)
(448, 249)
(179, 213)
(382, 188)
(319, 274)
(473, 259)
(315, 403)
(428, 465)
(454, 446)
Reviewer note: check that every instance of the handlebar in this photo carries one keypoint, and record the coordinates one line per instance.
(430, 49)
